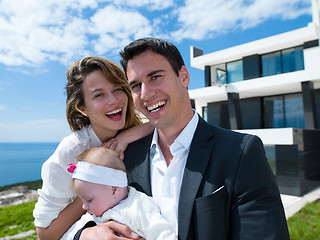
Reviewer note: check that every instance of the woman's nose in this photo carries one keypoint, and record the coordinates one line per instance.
(112, 99)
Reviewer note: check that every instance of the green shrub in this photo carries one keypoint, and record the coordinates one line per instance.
(16, 219)
(32, 185)
(306, 223)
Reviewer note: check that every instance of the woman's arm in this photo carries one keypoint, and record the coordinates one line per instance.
(120, 142)
(55, 211)
(63, 222)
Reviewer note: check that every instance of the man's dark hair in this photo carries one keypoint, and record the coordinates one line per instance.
(162, 47)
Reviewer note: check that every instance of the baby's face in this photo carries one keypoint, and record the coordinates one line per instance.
(96, 198)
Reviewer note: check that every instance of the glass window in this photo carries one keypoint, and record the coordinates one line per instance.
(271, 64)
(273, 112)
(284, 111)
(221, 77)
(292, 60)
(234, 71)
(204, 113)
(293, 108)
(317, 102)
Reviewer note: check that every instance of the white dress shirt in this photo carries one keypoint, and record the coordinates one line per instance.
(56, 192)
(166, 180)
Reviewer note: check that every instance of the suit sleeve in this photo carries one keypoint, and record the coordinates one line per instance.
(87, 225)
(256, 211)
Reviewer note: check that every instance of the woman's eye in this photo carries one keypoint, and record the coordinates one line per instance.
(98, 95)
(118, 89)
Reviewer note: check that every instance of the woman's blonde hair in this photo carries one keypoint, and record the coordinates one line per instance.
(75, 100)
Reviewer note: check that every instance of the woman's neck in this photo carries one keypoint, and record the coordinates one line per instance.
(104, 135)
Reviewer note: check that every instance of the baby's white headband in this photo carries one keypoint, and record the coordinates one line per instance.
(98, 174)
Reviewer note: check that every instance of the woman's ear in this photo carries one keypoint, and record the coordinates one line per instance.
(82, 110)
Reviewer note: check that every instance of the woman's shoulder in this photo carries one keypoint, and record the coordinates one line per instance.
(74, 143)
(76, 138)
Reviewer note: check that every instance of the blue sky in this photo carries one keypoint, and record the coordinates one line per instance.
(40, 39)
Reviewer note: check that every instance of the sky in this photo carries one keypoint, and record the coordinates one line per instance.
(39, 40)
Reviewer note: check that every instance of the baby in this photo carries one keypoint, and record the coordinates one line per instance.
(100, 181)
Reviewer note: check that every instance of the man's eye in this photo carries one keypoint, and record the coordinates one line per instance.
(98, 95)
(155, 77)
(135, 86)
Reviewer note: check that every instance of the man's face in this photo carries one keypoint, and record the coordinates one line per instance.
(157, 90)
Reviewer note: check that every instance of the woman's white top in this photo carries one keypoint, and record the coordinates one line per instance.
(56, 192)
(139, 212)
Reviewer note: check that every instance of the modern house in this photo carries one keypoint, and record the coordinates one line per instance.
(270, 88)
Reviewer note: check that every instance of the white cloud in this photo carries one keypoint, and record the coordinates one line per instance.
(148, 4)
(46, 130)
(34, 32)
(116, 26)
(205, 18)
(45, 122)
(261, 10)
(3, 107)
(39, 31)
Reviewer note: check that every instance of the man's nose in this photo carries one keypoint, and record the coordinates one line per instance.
(147, 92)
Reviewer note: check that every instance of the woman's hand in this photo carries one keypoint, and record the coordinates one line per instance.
(116, 144)
(109, 231)
(120, 142)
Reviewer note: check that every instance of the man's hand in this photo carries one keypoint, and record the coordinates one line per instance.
(108, 231)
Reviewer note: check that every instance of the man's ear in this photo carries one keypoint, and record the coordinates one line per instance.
(184, 76)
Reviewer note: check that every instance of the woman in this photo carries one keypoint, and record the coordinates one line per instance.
(99, 109)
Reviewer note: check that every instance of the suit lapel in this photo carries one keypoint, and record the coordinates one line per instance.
(139, 165)
(145, 179)
(196, 165)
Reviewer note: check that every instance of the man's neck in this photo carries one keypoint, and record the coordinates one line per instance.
(167, 136)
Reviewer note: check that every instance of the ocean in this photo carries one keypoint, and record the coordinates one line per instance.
(21, 162)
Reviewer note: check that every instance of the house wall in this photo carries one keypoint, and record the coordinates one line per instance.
(293, 153)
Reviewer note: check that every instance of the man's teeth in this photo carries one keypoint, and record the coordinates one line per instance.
(114, 112)
(155, 107)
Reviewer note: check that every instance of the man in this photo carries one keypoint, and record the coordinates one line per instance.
(210, 183)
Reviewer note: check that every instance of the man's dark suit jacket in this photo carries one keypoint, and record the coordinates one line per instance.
(228, 190)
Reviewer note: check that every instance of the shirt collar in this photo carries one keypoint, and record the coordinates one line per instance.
(93, 136)
(184, 138)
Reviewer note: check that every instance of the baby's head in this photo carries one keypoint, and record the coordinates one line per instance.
(99, 179)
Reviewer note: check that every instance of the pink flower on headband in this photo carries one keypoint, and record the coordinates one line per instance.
(71, 167)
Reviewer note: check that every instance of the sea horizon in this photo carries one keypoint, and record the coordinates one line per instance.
(22, 161)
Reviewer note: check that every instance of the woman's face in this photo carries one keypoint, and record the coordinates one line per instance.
(105, 105)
